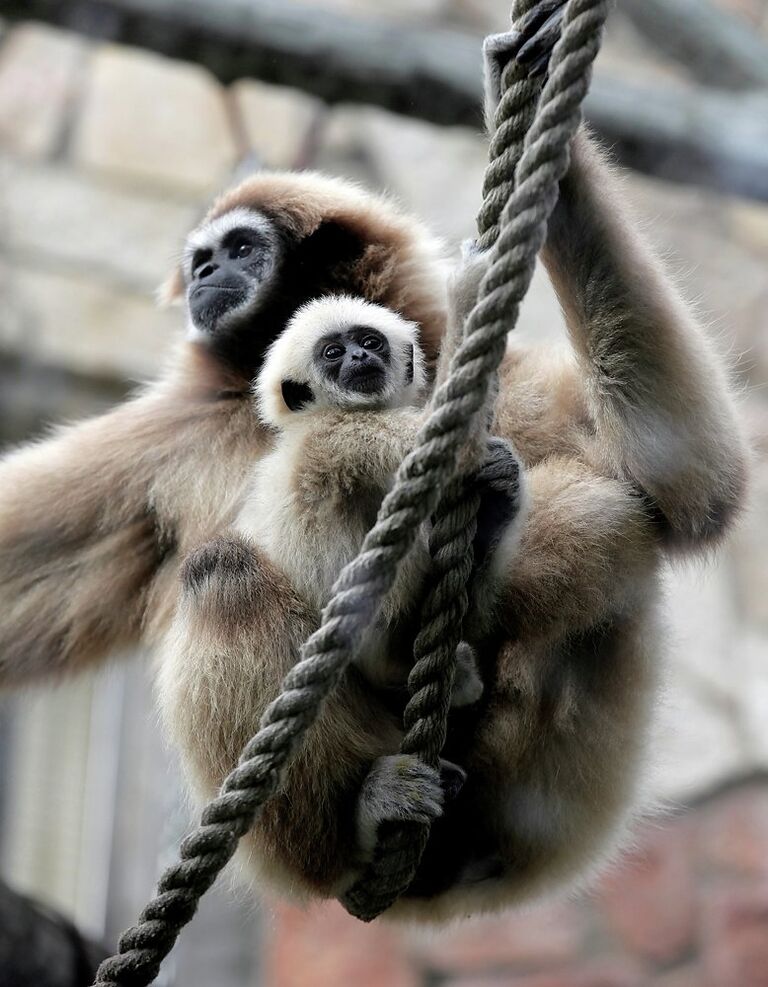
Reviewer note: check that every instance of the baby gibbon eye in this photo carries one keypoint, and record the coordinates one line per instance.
(371, 343)
(333, 352)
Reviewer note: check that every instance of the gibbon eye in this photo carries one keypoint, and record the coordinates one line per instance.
(333, 352)
(371, 343)
(242, 248)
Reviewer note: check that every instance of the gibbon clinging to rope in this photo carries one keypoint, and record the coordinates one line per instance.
(633, 453)
(343, 387)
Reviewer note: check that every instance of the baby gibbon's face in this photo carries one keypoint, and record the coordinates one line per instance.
(340, 353)
(357, 359)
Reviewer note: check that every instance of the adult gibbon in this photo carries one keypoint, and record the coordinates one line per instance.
(632, 451)
(96, 519)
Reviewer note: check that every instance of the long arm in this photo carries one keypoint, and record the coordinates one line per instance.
(657, 391)
(78, 545)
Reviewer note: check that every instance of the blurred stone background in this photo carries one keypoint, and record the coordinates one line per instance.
(108, 155)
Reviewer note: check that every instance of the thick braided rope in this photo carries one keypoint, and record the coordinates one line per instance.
(400, 845)
(512, 121)
(363, 584)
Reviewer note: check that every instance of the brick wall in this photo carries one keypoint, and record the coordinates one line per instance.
(688, 907)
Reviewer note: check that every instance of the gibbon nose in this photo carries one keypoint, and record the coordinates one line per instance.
(358, 353)
(207, 271)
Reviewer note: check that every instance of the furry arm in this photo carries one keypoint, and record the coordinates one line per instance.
(648, 382)
(658, 393)
(94, 520)
(78, 543)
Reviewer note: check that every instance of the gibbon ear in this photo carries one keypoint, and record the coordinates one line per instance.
(295, 395)
(409, 366)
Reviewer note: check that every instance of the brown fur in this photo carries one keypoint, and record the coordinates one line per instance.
(398, 267)
(555, 759)
(236, 634)
(632, 449)
(95, 520)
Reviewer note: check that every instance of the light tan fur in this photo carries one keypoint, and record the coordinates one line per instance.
(555, 761)
(96, 519)
(251, 597)
(633, 452)
(314, 497)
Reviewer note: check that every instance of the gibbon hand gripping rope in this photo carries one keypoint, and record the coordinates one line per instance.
(520, 197)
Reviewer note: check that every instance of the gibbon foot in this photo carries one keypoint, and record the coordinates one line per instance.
(467, 685)
(499, 482)
(219, 557)
(400, 787)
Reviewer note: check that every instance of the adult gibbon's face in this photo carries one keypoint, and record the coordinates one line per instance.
(358, 359)
(245, 277)
(278, 240)
(230, 266)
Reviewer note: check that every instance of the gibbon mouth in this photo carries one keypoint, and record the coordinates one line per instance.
(366, 381)
(209, 303)
(213, 287)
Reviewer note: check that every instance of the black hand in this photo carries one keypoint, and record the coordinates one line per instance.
(538, 33)
(498, 480)
(452, 779)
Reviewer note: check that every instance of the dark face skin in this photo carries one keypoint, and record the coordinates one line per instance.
(228, 275)
(243, 291)
(357, 359)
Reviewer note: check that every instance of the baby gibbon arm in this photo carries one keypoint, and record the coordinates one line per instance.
(78, 544)
(659, 394)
